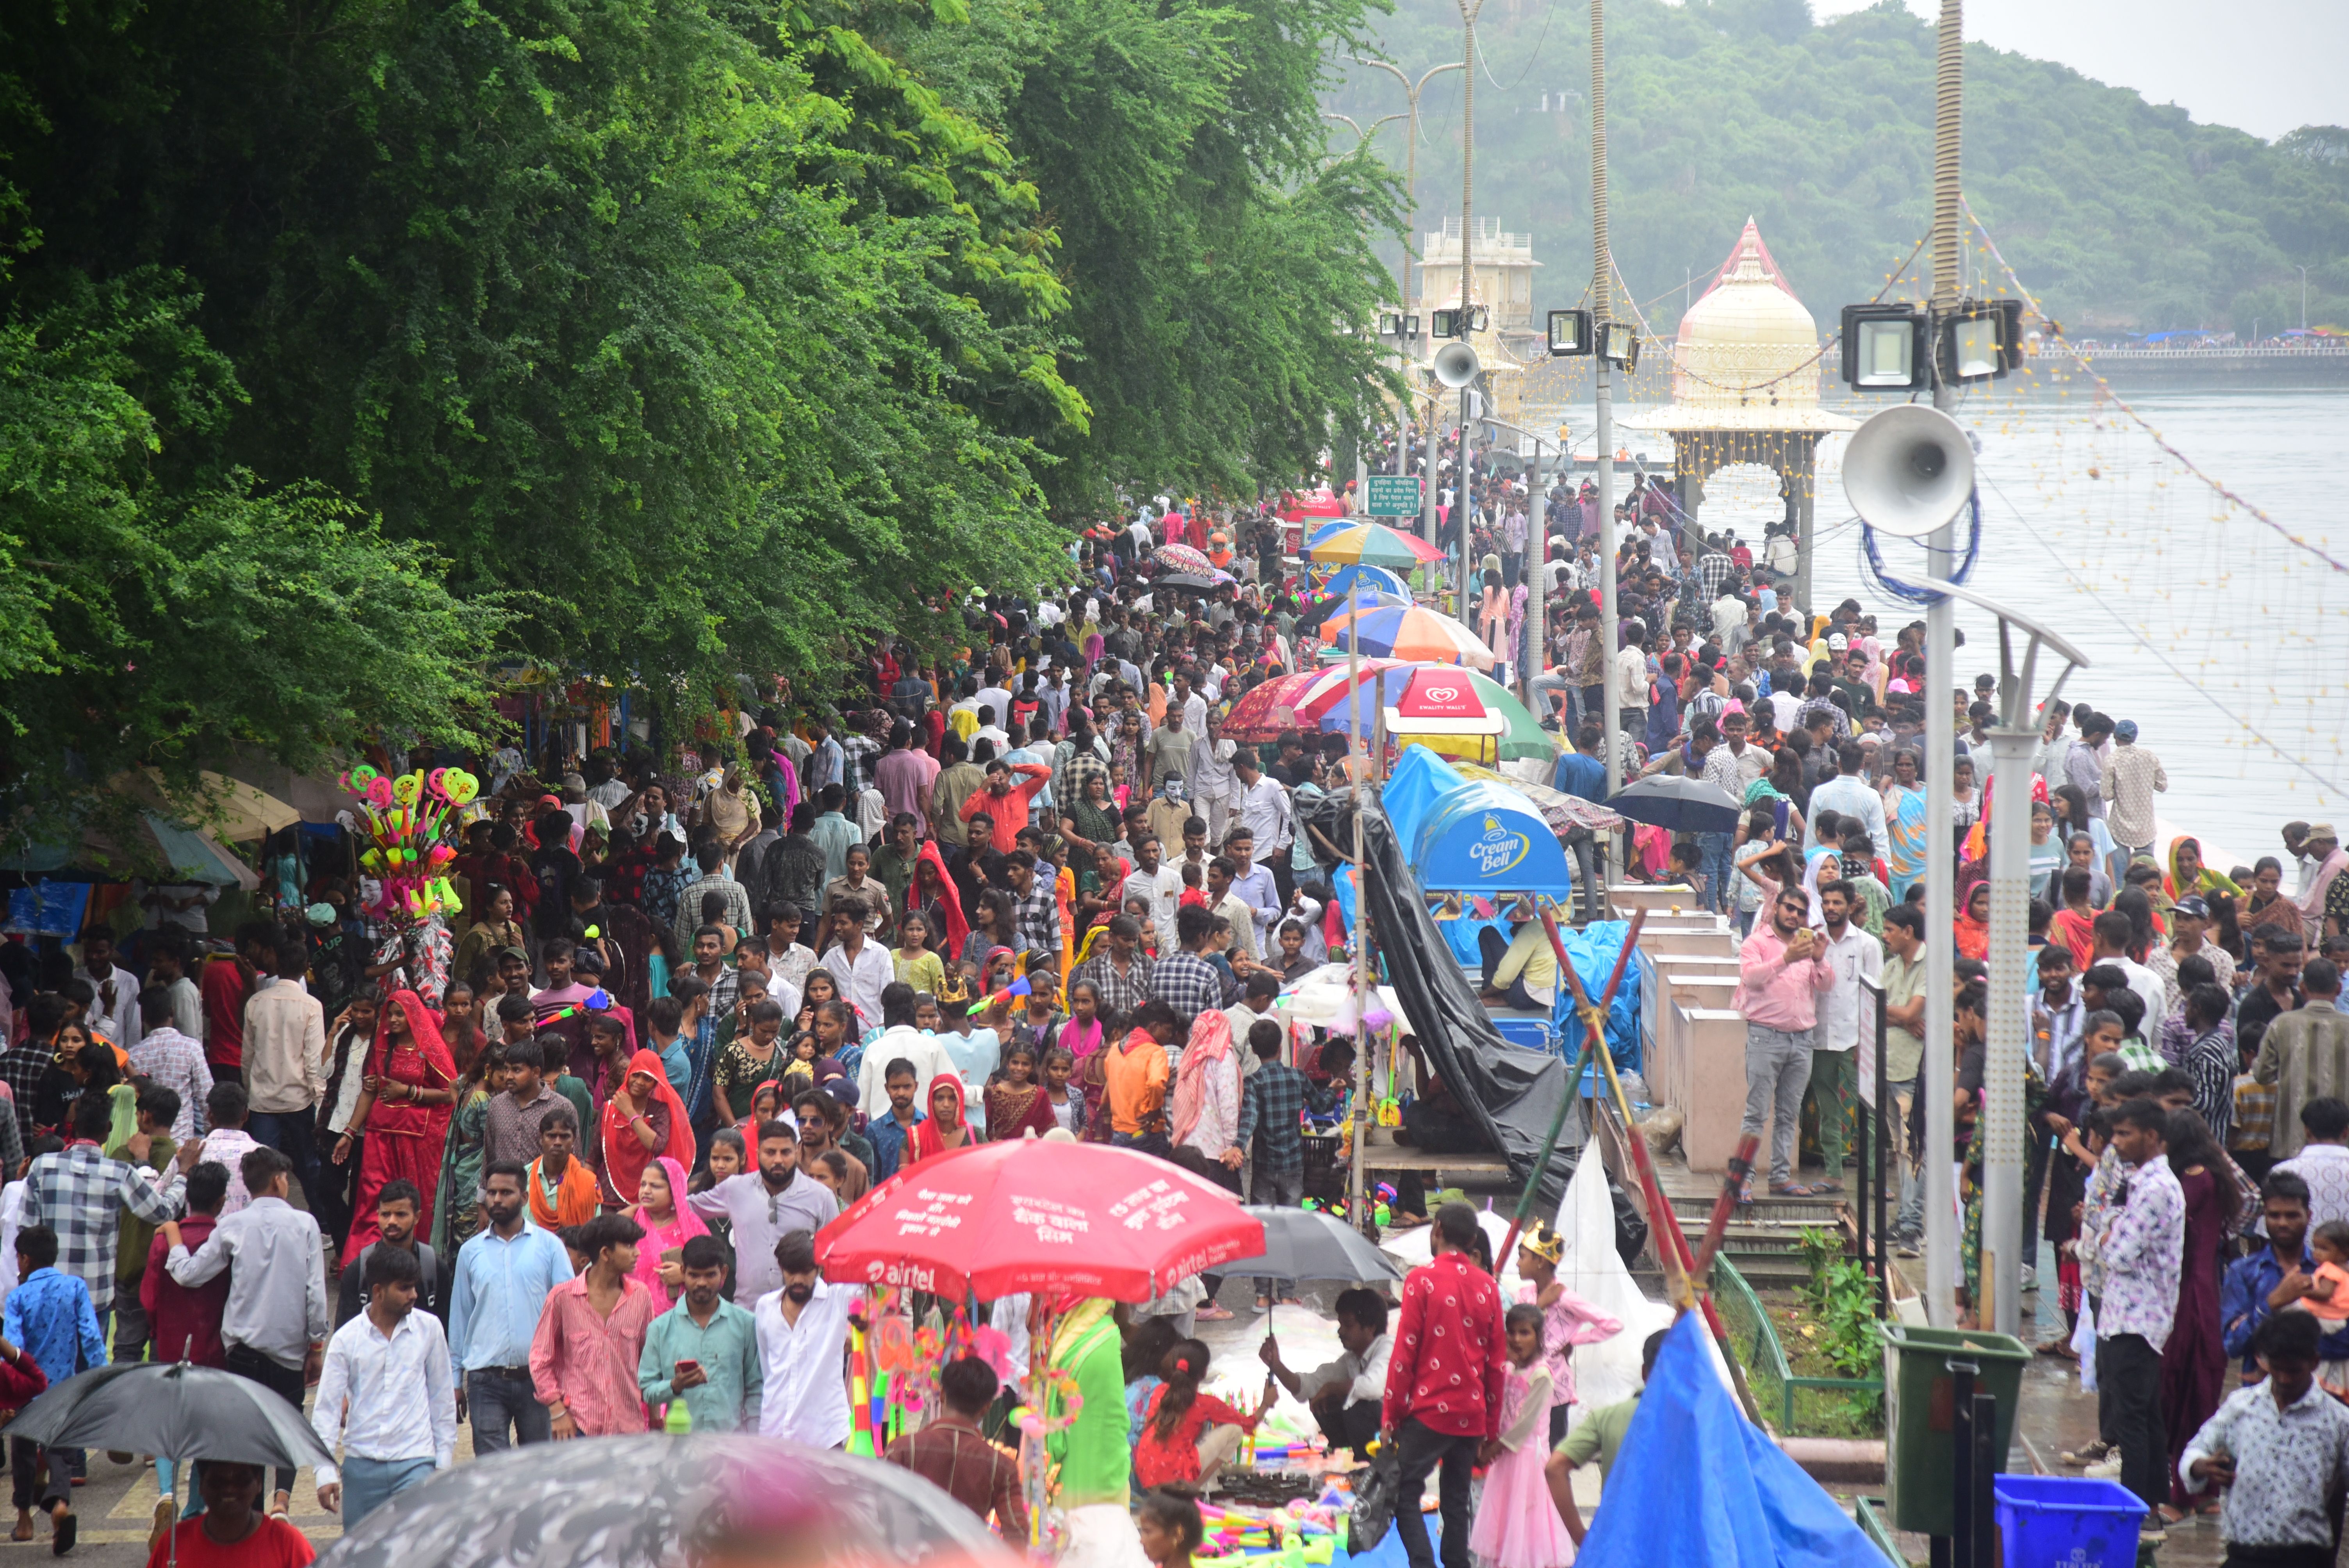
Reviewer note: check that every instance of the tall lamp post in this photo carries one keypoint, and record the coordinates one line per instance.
(1411, 92)
(1361, 463)
(1941, 727)
(2012, 740)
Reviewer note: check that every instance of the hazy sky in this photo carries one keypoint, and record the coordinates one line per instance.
(2262, 65)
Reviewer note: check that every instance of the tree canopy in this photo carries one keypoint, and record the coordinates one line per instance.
(2119, 213)
(354, 349)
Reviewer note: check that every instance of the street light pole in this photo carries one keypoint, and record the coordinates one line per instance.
(1602, 399)
(2303, 299)
(1462, 494)
(2005, 1244)
(1411, 92)
(1941, 728)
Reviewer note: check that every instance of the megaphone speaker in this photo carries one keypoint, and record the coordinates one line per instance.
(1909, 469)
(1455, 365)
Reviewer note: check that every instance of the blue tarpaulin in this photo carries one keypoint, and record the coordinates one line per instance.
(1592, 952)
(1696, 1482)
(1419, 780)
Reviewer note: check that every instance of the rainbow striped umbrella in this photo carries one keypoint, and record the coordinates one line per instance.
(1347, 542)
(1292, 702)
(1406, 632)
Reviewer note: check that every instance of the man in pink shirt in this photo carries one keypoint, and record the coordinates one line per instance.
(584, 1359)
(1781, 970)
(905, 774)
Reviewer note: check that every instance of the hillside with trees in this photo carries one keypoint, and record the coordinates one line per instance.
(2119, 213)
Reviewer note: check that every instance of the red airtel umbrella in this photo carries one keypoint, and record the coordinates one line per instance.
(1037, 1214)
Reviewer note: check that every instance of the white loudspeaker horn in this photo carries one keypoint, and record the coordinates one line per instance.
(1455, 365)
(1909, 469)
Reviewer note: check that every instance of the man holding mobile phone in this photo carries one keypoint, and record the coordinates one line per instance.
(705, 1349)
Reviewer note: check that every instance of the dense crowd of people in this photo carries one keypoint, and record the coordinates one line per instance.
(560, 1150)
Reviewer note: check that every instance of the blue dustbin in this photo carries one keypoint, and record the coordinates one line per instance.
(2045, 1520)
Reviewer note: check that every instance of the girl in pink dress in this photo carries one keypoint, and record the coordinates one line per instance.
(1567, 1320)
(1517, 1525)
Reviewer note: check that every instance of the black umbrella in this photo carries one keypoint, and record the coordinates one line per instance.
(655, 1501)
(1679, 804)
(1304, 1243)
(174, 1409)
(1192, 579)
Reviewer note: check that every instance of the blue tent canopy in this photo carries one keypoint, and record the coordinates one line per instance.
(1420, 776)
(1484, 838)
(1696, 1482)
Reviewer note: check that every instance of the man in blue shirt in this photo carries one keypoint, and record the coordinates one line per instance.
(2273, 1278)
(1582, 771)
(503, 1277)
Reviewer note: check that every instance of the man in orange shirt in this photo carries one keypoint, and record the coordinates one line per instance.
(1136, 1075)
(1004, 799)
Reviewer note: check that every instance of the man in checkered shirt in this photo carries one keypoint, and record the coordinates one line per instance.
(950, 1454)
(1186, 981)
(859, 754)
(76, 1193)
(1036, 905)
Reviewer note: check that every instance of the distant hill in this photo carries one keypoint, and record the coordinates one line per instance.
(2119, 213)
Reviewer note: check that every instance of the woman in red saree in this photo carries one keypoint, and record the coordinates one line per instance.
(644, 1121)
(404, 1101)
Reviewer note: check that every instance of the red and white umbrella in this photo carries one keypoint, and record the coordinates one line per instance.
(1183, 558)
(1037, 1214)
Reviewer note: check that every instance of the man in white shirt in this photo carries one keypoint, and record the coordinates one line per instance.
(1261, 805)
(285, 1063)
(1153, 879)
(387, 1394)
(276, 1315)
(1853, 956)
(114, 1011)
(1849, 794)
(802, 1331)
(1345, 1394)
(2324, 1160)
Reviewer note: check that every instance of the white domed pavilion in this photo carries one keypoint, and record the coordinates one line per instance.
(1745, 389)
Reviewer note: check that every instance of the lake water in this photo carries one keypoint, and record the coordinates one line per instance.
(2228, 644)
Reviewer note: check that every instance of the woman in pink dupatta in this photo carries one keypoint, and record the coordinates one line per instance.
(668, 1223)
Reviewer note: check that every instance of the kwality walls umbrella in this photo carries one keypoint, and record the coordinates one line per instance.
(1037, 1214)
(1350, 543)
(1678, 803)
(1405, 632)
(1292, 702)
(1183, 558)
(1454, 711)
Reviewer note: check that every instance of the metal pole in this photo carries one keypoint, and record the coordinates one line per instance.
(2004, 1231)
(1462, 506)
(1940, 732)
(1427, 480)
(1602, 401)
(1356, 1207)
(1468, 10)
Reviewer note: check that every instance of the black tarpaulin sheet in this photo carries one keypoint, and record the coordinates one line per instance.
(1513, 1093)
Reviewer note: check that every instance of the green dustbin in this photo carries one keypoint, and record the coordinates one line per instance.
(1920, 1394)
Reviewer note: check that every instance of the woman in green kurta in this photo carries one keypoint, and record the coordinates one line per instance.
(456, 1209)
(1091, 1456)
